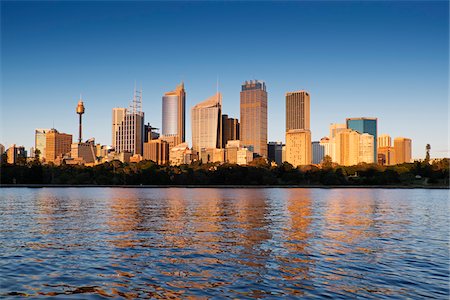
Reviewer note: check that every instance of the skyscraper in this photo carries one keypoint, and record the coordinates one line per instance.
(298, 132)
(206, 124)
(230, 129)
(402, 147)
(173, 114)
(40, 142)
(254, 116)
(365, 125)
(56, 145)
(298, 108)
(384, 140)
(128, 127)
(353, 147)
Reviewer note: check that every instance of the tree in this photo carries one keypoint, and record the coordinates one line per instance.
(327, 162)
(427, 156)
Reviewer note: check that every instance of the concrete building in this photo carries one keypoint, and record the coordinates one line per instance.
(230, 130)
(384, 140)
(366, 146)
(84, 153)
(298, 107)
(16, 154)
(365, 125)
(298, 147)
(318, 152)
(253, 110)
(403, 150)
(347, 147)
(335, 129)
(181, 154)
(236, 153)
(173, 115)
(275, 152)
(212, 155)
(386, 156)
(57, 145)
(207, 124)
(157, 151)
(40, 142)
(128, 127)
(328, 147)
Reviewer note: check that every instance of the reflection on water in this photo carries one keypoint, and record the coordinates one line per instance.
(242, 243)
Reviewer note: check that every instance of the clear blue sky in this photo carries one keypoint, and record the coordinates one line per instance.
(376, 59)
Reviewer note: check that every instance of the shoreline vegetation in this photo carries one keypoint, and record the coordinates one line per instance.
(258, 173)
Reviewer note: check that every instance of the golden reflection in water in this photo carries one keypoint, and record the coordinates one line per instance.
(298, 234)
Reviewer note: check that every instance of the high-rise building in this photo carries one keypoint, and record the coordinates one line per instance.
(230, 130)
(366, 146)
(335, 129)
(254, 116)
(402, 147)
(16, 153)
(57, 145)
(298, 147)
(173, 114)
(384, 140)
(128, 127)
(275, 152)
(83, 153)
(318, 152)
(298, 108)
(157, 151)
(365, 125)
(298, 134)
(206, 124)
(386, 156)
(40, 142)
(347, 147)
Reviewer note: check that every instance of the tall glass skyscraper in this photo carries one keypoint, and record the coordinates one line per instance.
(254, 116)
(365, 125)
(173, 115)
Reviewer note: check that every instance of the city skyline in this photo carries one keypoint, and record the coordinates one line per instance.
(398, 82)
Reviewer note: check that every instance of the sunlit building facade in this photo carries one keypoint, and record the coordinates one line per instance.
(366, 146)
(403, 150)
(384, 140)
(298, 147)
(40, 142)
(298, 108)
(57, 145)
(253, 110)
(156, 151)
(365, 125)
(173, 114)
(206, 124)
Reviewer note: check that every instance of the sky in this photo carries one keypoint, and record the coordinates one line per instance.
(381, 59)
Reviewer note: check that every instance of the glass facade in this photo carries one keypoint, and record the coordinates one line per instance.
(170, 115)
(365, 125)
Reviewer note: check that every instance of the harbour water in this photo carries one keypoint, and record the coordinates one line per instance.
(89, 243)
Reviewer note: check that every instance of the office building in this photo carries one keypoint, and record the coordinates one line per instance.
(386, 156)
(128, 127)
(366, 146)
(253, 110)
(403, 150)
(181, 154)
(157, 151)
(230, 129)
(173, 115)
(40, 142)
(16, 154)
(347, 147)
(298, 147)
(318, 152)
(384, 140)
(83, 153)
(206, 124)
(298, 108)
(365, 125)
(275, 152)
(57, 145)
(212, 155)
(236, 153)
(328, 147)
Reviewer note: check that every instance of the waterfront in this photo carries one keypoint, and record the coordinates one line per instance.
(241, 243)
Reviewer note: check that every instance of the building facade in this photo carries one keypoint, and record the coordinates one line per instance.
(173, 114)
(230, 130)
(16, 154)
(318, 152)
(157, 151)
(40, 142)
(207, 124)
(235, 153)
(253, 111)
(366, 146)
(403, 150)
(275, 152)
(365, 125)
(298, 108)
(384, 140)
(298, 147)
(57, 145)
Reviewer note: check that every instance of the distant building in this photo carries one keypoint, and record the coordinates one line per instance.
(365, 125)
(15, 154)
(57, 145)
(298, 147)
(318, 152)
(328, 147)
(206, 124)
(384, 140)
(366, 146)
(253, 107)
(236, 153)
(40, 142)
(275, 152)
(181, 154)
(335, 129)
(353, 148)
(128, 127)
(212, 155)
(150, 133)
(403, 150)
(298, 108)
(230, 130)
(157, 151)
(173, 115)
(84, 153)
(386, 156)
